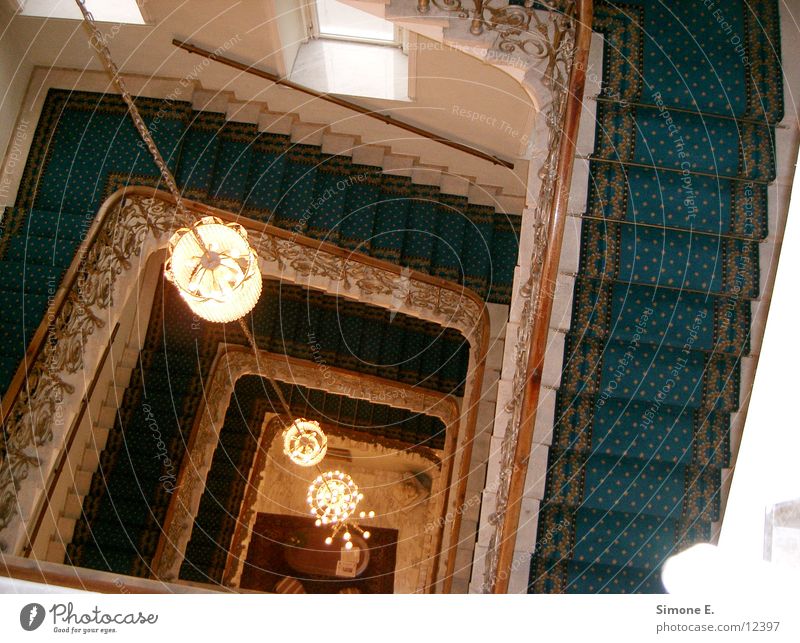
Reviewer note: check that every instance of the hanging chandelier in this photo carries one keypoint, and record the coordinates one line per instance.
(333, 497)
(215, 269)
(304, 442)
(211, 263)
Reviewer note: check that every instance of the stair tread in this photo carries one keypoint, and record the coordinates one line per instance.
(669, 258)
(659, 375)
(624, 427)
(662, 316)
(655, 197)
(714, 146)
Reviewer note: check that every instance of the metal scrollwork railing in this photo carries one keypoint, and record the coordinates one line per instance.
(566, 53)
(133, 224)
(517, 26)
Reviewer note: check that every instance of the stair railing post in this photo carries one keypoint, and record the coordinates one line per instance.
(476, 26)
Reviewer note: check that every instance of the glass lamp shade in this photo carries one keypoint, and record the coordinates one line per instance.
(305, 443)
(333, 497)
(221, 282)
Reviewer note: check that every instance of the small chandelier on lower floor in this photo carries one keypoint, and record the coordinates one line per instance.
(215, 269)
(333, 497)
(304, 442)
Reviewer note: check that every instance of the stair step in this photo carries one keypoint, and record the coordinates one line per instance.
(265, 183)
(679, 378)
(308, 133)
(55, 552)
(390, 219)
(622, 427)
(451, 220)
(622, 539)
(338, 144)
(112, 559)
(669, 259)
(232, 168)
(640, 314)
(17, 307)
(713, 145)
(14, 340)
(298, 187)
(65, 527)
(357, 229)
(276, 123)
(477, 259)
(504, 250)
(420, 235)
(63, 225)
(32, 278)
(45, 251)
(328, 210)
(593, 578)
(649, 196)
(199, 154)
(613, 483)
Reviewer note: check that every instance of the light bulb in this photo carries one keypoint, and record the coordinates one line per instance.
(366, 535)
(348, 545)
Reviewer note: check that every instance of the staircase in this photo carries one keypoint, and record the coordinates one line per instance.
(218, 514)
(124, 506)
(300, 176)
(671, 247)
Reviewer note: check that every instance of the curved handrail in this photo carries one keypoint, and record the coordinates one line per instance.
(506, 536)
(477, 334)
(93, 580)
(36, 344)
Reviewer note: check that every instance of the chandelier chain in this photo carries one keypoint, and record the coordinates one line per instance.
(98, 43)
(252, 341)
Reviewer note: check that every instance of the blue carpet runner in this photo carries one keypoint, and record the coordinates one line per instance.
(127, 502)
(84, 147)
(669, 262)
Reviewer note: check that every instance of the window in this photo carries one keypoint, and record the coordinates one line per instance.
(338, 20)
(126, 11)
(349, 54)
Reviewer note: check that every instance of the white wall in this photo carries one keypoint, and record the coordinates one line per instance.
(469, 100)
(291, 30)
(247, 31)
(15, 70)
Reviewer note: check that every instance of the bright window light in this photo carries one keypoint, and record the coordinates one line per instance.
(126, 11)
(337, 19)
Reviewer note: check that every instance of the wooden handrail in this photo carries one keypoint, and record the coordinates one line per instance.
(544, 299)
(341, 102)
(62, 456)
(37, 342)
(93, 580)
